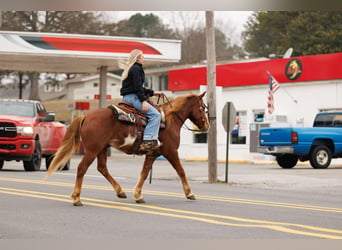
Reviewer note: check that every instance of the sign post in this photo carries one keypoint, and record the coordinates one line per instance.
(228, 122)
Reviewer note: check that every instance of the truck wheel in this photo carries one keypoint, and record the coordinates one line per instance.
(320, 157)
(34, 163)
(287, 160)
(49, 159)
(1, 164)
(67, 166)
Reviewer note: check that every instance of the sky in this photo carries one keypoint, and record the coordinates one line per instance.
(230, 22)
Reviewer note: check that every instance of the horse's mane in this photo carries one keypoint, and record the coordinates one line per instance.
(174, 106)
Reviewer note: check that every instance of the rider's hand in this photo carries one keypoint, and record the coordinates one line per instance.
(144, 106)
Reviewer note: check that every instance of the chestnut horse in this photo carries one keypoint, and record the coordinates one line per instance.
(101, 128)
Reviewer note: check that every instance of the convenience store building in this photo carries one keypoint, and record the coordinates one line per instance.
(308, 84)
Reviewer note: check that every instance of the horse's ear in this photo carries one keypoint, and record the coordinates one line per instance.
(201, 95)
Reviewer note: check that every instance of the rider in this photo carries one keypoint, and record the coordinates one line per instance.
(133, 91)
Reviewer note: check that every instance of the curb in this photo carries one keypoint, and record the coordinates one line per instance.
(239, 161)
(243, 161)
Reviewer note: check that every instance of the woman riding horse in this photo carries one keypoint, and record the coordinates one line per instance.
(101, 128)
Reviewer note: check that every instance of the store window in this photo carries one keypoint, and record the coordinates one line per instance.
(239, 132)
(148, 82)
(163, 82)
(258, 115)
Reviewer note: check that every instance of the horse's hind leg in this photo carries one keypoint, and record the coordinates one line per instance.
(137, 193)
(176, 164)
(102, 168)
(81, 170)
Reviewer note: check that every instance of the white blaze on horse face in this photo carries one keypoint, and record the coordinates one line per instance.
(129, 140)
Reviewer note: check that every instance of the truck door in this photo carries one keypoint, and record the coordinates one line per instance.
(44, 127)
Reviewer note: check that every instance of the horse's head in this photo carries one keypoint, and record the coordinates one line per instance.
(198, 113)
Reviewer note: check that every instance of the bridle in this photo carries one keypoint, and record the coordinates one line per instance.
(204, 107)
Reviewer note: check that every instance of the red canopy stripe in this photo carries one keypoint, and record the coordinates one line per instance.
(80, 44)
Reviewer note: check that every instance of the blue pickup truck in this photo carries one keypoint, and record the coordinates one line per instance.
(317, 144)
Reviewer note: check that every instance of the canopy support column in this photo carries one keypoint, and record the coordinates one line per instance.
(103, 86)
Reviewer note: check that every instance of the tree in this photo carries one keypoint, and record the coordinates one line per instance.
(314, 33)
(194, 46)
(309, 33)
(74, 22)
(20, 21)
(79, 22)
(191, 31)
(139, 25)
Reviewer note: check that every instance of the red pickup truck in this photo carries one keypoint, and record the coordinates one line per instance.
(28, 132)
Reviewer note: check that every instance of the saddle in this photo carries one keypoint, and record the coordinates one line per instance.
(125, 112)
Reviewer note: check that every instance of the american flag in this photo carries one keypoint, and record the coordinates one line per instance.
(270, 102)
(274, 84)
(273, 87)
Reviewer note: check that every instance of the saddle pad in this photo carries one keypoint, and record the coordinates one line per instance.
(130, 117)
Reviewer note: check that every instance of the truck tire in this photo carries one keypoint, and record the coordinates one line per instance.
(287, 160)
(320, 157)
(1, 164)
(48, 160)
(35, 162)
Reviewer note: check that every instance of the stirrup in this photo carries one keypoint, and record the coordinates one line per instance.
(149, 145)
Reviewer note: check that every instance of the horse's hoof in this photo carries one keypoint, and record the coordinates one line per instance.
(191, 197)
(78, 204)
(122, 195)
(140, 201)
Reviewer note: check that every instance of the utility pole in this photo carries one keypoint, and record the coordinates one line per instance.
(211, 96)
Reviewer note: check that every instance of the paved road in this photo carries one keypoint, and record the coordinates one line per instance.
(258, 202)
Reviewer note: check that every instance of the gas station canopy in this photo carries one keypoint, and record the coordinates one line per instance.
(71, 53)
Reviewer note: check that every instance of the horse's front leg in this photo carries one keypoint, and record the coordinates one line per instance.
(173, 158)
(137, 193)
(102, 168)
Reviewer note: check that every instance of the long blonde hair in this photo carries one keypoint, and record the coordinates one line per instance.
(127, 64)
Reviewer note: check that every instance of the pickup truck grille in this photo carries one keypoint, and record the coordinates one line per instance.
(8, 129)
(7, 146)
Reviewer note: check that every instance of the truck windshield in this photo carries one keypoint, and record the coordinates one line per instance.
(17, 108)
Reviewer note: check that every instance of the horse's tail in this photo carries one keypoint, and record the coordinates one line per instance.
(71, 143)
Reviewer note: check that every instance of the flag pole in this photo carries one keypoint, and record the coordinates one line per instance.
(284, 88)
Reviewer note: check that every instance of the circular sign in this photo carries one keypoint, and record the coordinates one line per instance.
(293, 69)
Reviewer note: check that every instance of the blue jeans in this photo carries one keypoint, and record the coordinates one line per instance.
(152, 127)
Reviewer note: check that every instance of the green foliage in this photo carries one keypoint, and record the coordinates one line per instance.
(138, 25)
(308, 33)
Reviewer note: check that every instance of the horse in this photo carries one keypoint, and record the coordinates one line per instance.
(101, 128)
